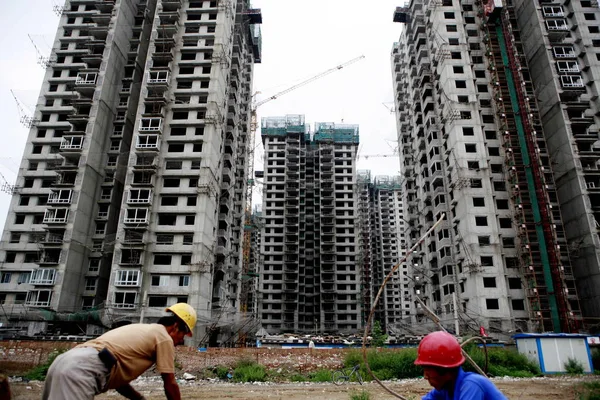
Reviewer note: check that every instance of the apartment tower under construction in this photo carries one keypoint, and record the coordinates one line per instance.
(382, 249)
(497, 126)
(132, 188)
(310, 281)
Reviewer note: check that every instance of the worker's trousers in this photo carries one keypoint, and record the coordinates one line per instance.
(78, 374)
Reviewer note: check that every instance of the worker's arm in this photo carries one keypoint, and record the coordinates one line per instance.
(171, 387)
(129, 392)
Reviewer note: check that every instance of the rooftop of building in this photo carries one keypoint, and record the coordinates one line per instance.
(323, 131)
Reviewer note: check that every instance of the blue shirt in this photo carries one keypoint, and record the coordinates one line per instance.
(468, 386)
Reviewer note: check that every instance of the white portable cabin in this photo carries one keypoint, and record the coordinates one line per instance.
(550, 351)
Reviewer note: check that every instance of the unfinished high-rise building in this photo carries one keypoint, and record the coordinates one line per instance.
(310, 281)
(383, 246)
(132, 186)
(496, 124)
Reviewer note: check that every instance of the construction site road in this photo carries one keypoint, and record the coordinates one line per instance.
(547, 388)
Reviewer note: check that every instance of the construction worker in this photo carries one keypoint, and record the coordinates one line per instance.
(441, 356)
(119, 356)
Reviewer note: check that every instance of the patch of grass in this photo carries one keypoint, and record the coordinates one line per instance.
(502, 362)
(39, 373)
(589, 391)
(320, 375)
(298, 378)
(399, 363)
(250, 373)
(362, 395)
(386, 364)
(221, 372)
(573, 367)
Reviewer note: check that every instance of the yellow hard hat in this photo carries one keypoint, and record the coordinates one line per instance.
(185, 312)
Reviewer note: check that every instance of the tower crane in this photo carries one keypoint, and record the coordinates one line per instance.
(43, 61)
(26, 120)
(8, 187)
(251, 148)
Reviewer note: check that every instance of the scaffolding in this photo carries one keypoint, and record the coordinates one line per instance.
(550, 285)
(338, 133)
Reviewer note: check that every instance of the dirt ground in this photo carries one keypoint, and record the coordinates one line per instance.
(547, 388)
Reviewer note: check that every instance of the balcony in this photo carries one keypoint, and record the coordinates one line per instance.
(52, 239)
(71, 144)
(86, 83)
(151, 125)
(39, 298)
(170, 5)
(572, 82)
(60, 197)
(64, 179)
(93, 59)
(147, 143)
(145, 163)
(164, 55)
(101, 19)
(158, 80)
(168, 17)
(105, 6)
(43, 276)
(56, 216)
(129, 278)
(135, 216)
(139, 196)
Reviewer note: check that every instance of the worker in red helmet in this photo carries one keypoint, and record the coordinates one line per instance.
(441, 357)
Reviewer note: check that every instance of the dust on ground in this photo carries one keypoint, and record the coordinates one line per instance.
(547, 388)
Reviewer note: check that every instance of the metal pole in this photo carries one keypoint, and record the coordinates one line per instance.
(456, 327)
(143, 306)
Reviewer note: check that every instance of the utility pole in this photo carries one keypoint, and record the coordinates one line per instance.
(143, 308)
(456, 328)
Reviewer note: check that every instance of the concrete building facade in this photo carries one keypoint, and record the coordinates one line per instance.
(473, 150)
(564, 68)
(132, 187)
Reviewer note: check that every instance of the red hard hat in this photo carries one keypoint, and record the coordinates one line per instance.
(439, 349)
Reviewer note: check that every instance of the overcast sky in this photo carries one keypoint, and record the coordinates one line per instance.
(300, 40)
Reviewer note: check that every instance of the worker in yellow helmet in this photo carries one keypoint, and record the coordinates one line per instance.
(119, 356)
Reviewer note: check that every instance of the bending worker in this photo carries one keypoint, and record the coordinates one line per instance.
(441, 357)
(119, 356)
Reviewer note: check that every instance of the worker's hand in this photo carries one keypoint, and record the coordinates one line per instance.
(129, 392)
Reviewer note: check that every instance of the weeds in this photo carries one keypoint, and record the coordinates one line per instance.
(221, 372)
(589, 391)
(573, 367)
(39, 373)
(298, 378)
(399, 364)
(503, 362)
(250, 373)
(321, 375)
(362, 395)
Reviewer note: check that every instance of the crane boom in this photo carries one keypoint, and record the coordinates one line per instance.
(309, 80)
